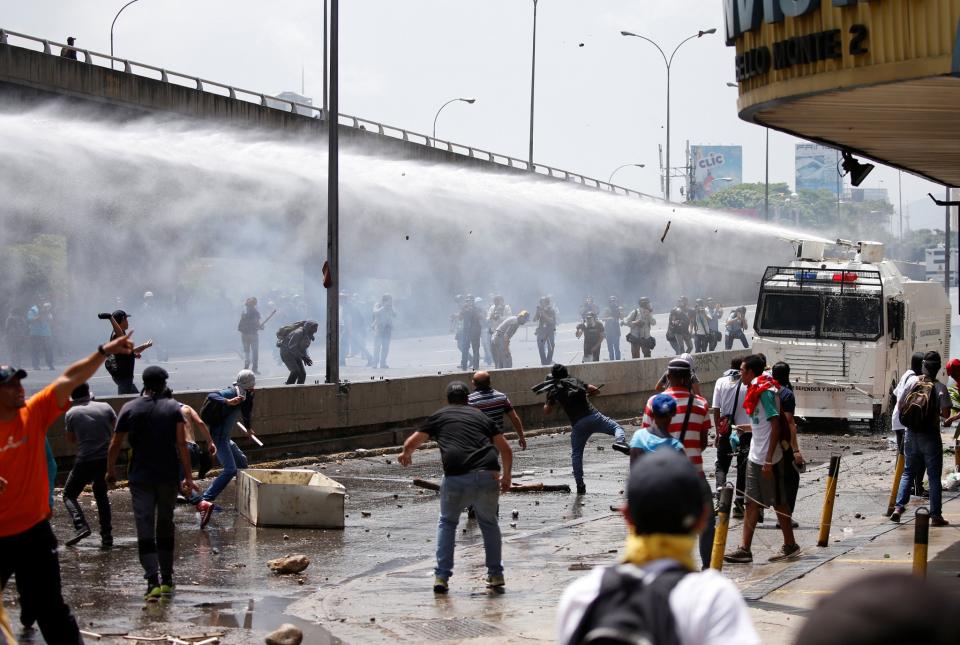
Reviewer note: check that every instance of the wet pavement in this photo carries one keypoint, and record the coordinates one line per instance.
(371, 582)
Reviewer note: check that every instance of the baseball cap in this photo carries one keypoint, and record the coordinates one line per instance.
(953, 368)
(246, 379)
(8, 373)
(663, 405)
(120, 314)
(664, 494)
(155, 374)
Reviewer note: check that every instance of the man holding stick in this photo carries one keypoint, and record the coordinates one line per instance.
(469, 445)
(120, 366)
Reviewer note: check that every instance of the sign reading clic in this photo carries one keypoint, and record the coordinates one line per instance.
(744, 16)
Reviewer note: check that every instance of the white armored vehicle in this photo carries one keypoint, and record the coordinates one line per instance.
(847, 327)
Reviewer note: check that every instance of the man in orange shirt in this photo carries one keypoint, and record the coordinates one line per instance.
(28, 547)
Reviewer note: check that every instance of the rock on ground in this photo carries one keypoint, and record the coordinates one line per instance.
(289, 564)
(286, 634)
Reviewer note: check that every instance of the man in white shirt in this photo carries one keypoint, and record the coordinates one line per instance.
(728, 395)
(906, 383)
(664, 513)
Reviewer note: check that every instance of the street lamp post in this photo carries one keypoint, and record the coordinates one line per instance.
(333, 202)
(626, 165)
(533, 79)
(471, 101)
(669, 64)
(111, 28)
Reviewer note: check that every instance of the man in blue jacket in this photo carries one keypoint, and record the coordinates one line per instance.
(221, 412)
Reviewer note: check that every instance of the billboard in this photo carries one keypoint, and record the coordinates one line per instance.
(817, 168)
(714, 168)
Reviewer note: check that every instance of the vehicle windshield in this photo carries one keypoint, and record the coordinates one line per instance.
(820, 314)
(851, 317)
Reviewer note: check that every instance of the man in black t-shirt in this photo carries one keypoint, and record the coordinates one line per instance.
(591, 330)
(153, 424)
(573, 395)
(469, 445)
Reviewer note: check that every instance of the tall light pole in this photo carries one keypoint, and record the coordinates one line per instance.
(533, 80)
(111, 28)
(471, 101)
(626, 165)
(669, 64)
(333, 203)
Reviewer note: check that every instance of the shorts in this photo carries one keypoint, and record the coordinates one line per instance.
(768, 491)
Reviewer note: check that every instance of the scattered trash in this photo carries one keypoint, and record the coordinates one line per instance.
(665, 231)
(286, 537)
(515, 513)
(858, 516)
(364, 513)
(857, 453)
(513, 525)
(579, 566)
(952, 482)
(286, 634)
(289, 564)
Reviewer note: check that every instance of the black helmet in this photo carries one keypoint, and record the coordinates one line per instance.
(559, 371)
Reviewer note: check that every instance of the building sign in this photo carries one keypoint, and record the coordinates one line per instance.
(745, 16)
(714, 168)
(817, 168)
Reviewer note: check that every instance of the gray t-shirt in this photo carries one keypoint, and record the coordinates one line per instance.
(92, 422)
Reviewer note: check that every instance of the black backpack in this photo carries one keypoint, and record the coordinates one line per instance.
(213, 412)
(286, 330)
(627, 611)
(919, 409)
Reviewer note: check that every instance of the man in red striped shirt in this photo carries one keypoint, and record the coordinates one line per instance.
(690, 426)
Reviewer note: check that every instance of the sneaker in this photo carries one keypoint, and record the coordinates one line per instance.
(621, 446)
(153, 593)
(937, 520)
(737, 512)
(496, 582)
(440, 585)
(581, 489)
(167, 589)
(205, 509)
(79, 535)
(895, 516)
(786, 552)
(740, 556)
(106, 541)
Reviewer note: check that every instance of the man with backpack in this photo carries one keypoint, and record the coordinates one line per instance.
(906, 383)
(921, 409)
(733, 430)
(220, 412)
(655, 595)
(293, 341)
(573, 395)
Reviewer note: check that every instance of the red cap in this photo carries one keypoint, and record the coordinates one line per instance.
(953, 369)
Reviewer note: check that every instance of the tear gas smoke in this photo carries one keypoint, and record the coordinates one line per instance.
(97, 211)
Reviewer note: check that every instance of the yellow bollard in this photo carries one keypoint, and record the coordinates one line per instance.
(827, 516)
(897, 474)
(921, 534)
(723, 523)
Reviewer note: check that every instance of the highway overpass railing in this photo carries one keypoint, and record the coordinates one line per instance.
(126, 66)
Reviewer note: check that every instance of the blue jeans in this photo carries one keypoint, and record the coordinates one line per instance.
(230, 457)
(613, 346)
(922, 450)
(481, 490)
(582, 429)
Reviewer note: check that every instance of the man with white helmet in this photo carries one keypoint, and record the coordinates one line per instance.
(220, 412)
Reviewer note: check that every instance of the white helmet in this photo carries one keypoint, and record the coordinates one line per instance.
(147, 294)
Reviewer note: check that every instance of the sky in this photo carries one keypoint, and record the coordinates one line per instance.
(600, 97)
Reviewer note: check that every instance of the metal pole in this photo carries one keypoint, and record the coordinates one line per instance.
(533, 79)
(111, 28)
(766, 183)
(900, 192)
(333, 204)
(946, 250)
(668, 132)
(325, 31)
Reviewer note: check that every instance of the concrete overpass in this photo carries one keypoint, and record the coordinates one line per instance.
(32, 71)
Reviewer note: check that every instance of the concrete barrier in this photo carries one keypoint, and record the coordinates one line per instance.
(317, 419)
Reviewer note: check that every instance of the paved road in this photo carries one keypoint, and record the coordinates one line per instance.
(408, 357)
(371, 581)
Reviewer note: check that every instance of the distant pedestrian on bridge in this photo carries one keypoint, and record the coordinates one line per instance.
(293, 345)
(250, 328)
(612, 316)
(502, 357)
(470, 444)
(383, 318)
(69, 51)
(639, 322)
(546, 319)
(736, 326)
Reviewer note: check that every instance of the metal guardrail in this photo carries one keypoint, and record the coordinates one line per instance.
(310, 111)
